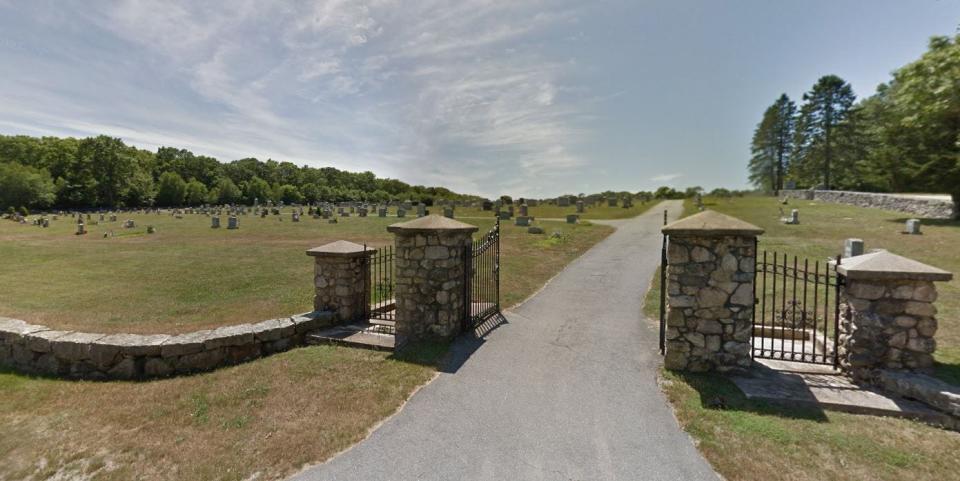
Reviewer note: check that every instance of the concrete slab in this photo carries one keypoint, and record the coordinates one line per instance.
(825, 387)
(361, 334)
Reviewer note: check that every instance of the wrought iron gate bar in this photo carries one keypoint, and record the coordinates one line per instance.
(789, 329)
(482, 293)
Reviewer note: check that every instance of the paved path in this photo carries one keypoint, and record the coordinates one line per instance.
(565, 390)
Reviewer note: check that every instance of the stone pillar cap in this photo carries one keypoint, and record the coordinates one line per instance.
(884, 265)
(340, 248)
(431, 223)
(711, 223)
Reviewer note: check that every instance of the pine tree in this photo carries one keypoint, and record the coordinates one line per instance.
(772, 143)
(823, 133)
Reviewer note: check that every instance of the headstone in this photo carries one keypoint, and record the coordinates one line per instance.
(326, 213)
(794, 218)
(913, 227)
(263, 214)
(579, 206)
(572, 218)
(563, 201)
(113, 217)
(524, 210)
(852, 247)
(534, 230)
(382, 212)
(505, 215)
(362, 211)
(401, 212)
(233, 222)
(523, 221)
(46, 223)
(448, 212)
(80, 229)
(101, 217)
(294, 216)
(421, 209)
(129, 224)
(215, 222)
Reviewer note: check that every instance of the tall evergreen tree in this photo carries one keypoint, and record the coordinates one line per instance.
(772, 143)
(822, 131)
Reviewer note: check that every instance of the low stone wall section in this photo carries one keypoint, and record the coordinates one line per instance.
(924, 207)
(36, 349)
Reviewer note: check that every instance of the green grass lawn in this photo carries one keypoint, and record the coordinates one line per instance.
(261, 420)
(755, 441)
(188, 276)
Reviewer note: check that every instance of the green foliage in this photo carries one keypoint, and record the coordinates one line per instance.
(195, 193)
(904, 138)
(823, 142)
(288, 194)
(22, 185)
(258, 191)
(227, 192)
(668, 193)
(103, 171)
(172, 190)
(771, 145)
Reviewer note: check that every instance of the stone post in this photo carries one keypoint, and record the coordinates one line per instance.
(887, 313)
(432, 264)
(710, 292)
(342, 279)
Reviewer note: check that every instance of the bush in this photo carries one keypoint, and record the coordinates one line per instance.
(24, 211)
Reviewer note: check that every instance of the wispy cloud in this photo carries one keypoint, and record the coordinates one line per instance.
(666, 177)
(435, 91)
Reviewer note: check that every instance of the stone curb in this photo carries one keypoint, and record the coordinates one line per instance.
(36, 349)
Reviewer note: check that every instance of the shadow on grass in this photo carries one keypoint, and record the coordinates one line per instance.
(948, 373)
(717, 392)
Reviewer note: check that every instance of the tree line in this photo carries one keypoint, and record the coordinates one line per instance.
(903, 138)
(103, 172)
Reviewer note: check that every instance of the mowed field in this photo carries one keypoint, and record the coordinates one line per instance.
(189, 276)
(260, 420)
(750, 440)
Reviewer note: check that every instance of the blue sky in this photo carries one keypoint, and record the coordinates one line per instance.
(529, 98)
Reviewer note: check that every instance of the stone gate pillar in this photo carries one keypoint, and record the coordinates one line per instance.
(710, 298)
(342, 279)
(887, 313)
(431, 277)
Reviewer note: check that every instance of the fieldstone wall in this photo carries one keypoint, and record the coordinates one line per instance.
(432, 263)
(38, 349)
(930, 208)
(710, 302)
(430, 285)
(342, 279)
(887, 324)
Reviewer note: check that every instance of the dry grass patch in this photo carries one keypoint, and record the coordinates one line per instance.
(188, 276)
(756, 441)
(267, 418)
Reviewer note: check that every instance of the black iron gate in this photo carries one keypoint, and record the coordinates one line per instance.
(383, 303)
(797, 309)
(482, 286)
